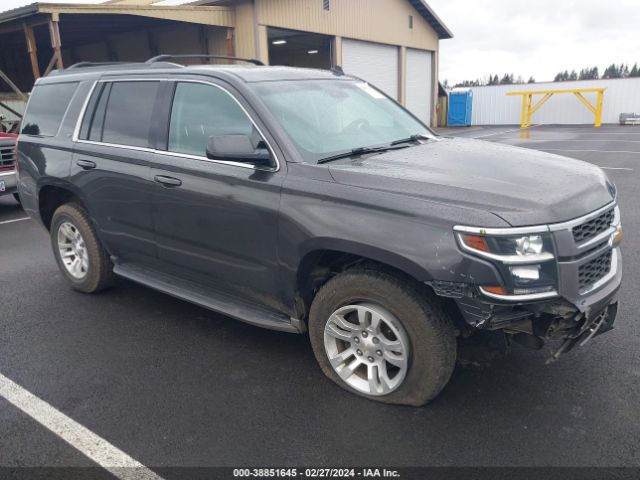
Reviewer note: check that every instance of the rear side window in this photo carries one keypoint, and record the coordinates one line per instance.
(47, 106)
(121, 114)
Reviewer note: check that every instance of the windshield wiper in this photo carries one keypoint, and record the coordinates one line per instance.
(360, 151)
(412, 138)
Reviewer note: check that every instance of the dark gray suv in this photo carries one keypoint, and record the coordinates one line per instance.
(307, 200)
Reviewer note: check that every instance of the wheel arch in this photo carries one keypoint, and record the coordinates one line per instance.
(323, 258)
(53, 195)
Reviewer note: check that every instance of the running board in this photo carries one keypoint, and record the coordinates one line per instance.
(210, 299)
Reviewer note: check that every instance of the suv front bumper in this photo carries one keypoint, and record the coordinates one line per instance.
(584, 304)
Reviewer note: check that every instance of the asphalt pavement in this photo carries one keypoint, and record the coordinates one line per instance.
(172, 384)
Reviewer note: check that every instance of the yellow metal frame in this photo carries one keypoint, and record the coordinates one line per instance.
(529, 108)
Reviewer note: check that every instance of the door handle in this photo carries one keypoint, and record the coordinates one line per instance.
(168, 181)
(86, 164)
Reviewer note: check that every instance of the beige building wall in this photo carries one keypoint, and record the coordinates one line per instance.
(382, 21)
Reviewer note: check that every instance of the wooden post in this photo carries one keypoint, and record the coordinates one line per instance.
(203, 34)
(32, 48)
(56, 42)
(153, 45)
(229, 42)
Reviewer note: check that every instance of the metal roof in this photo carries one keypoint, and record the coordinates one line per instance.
(209, 15)
(431, 17)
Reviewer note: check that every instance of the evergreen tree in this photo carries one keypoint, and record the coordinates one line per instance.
(507, 79)
(531, 80)
(635, 71)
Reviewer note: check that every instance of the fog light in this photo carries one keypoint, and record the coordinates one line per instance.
(528, 273)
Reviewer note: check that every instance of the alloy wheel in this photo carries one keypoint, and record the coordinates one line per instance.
(368, 348)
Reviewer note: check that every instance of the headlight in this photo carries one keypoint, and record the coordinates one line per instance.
(524, 257)
(508, 249)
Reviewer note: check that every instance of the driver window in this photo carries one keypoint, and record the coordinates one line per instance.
(200, 111)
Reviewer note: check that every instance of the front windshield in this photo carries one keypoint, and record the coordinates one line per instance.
(328, 117)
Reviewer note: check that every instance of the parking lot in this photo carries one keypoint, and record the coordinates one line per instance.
(171, 384)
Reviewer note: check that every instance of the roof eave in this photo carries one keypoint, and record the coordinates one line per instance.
(19, 12)
(438, 25)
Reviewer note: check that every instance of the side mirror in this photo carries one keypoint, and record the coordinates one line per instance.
(237, 148)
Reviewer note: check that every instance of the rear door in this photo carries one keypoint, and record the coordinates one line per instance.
(111, 165)
(216, 221)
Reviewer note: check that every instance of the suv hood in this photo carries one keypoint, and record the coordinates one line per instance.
(520, 185)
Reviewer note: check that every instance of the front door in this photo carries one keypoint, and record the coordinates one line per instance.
(215, 221)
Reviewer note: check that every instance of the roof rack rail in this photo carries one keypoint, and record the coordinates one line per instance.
(94, 64)
(164, 58)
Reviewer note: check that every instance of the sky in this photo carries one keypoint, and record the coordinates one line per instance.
(536, 38)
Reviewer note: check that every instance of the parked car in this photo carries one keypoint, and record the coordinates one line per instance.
(8, 165)
(307, 200)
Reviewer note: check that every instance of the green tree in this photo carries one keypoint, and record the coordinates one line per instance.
(635, 71)
(531, 80)
(507, 79)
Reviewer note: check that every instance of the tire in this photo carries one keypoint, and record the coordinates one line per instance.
(98, 272)
(413, 311)
(17, 198)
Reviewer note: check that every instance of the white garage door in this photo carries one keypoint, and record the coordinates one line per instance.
(419, 84)
(373, 62)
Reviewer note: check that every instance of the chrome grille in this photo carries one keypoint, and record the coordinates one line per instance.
(593, 227)
(7, 156)
(594, 270)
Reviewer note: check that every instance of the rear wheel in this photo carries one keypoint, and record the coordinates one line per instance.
(382, 337)
(78, 251)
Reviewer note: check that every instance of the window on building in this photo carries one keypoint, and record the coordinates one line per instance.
(325, 4)
(411, 21)
(47, 106)
(202, 111)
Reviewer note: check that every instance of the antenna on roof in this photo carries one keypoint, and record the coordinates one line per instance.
(338, 70)
(164, 58)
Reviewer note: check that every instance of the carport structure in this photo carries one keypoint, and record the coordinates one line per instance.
(42, 36)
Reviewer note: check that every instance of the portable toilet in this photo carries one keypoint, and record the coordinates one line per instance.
(460, 108)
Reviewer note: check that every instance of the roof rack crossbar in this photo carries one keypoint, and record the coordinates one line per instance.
(164, 58)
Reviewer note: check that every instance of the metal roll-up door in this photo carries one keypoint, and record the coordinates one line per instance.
(419, 84)
(374, 62)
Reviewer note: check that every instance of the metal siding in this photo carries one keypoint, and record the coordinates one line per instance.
(381, 21)
(373, 62)
(244, 34)
(419, 84)
(491, 106)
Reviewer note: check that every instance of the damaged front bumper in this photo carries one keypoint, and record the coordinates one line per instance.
(574, 316)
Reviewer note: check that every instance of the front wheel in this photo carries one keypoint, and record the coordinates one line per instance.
(382, 337)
